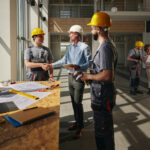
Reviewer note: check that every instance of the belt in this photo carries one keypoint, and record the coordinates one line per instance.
(71, 74)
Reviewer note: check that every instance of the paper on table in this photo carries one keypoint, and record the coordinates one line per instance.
(21, 101)
(4, 90)
(28, 86)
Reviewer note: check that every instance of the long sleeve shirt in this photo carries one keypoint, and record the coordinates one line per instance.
(146, 60)
(76, 54)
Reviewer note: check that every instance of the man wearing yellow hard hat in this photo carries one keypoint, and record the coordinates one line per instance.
(37, 58)
(102, 72)
(135, 58)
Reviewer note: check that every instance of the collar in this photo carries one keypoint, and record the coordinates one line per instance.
(78, 44)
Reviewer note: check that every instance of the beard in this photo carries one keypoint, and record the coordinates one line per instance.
(95, 36)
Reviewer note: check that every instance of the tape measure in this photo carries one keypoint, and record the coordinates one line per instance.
(24, 94)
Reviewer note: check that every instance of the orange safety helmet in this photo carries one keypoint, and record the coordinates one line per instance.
(100, 19)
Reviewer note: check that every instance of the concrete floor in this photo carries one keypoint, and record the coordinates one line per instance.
(131, 117)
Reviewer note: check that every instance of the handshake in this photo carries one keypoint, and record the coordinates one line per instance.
(46, 66)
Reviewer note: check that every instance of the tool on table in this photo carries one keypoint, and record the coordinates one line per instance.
(30, 108)
(24, 94)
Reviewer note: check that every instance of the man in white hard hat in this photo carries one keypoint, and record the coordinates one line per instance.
(79, 55)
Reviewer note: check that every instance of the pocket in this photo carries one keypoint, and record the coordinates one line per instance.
(97, 90)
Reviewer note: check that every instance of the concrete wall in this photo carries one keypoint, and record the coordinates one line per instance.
(36, 15)
(5, 40)
(146, 37)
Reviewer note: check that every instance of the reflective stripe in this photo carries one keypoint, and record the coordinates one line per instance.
(108, 105)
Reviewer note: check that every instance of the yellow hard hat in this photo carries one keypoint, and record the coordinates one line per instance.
(100, 19)
(37, 31)
(139, 44)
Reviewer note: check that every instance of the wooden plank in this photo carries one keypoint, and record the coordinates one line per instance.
(39, 135)
(63, 25)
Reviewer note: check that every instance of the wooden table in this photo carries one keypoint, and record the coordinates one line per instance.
(39, 135)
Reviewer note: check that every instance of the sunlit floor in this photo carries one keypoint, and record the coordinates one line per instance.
(131, 118)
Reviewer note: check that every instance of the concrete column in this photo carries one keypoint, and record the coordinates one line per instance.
(5, 51)
(146, 37)
(45, 23)
(147, 5)
(13, 38)
(34, 13)
(97, 5)
(55, 47)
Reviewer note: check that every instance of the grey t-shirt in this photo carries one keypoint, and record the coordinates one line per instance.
(105, 57)
(101, 92)
(37, 55)
(135, 54)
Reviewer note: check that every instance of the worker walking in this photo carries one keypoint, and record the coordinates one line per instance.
(102, 76)
(37, 58)
(79, 55)
(135, 61)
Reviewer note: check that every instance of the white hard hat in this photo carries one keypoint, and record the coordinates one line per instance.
(76, 28)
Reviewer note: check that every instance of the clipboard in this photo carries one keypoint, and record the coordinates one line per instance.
(28, 115)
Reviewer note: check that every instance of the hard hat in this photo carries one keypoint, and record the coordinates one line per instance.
(76, 28)
(139, 44)
(100, 19)
(37, 31)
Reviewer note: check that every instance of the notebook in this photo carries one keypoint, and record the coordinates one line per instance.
(28, 115)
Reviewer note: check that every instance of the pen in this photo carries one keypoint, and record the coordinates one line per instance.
(30, 108)
(24, 94)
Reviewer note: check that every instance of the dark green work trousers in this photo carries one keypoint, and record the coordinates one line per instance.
(76, 89)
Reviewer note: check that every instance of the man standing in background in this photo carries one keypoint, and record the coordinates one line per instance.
(78, 55)
(135, 61)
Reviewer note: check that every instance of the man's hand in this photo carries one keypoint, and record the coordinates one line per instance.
(85, 76)
(51, 79)
(74, 67)
(45, 66)
(136, 60)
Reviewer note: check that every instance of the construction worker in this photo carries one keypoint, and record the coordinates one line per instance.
(103, 91)
(79, 55)
(135, 58)
(37, 58)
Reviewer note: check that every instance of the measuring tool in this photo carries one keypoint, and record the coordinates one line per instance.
(24, 94)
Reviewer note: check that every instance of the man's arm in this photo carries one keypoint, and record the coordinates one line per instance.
(132, 59)
(51, 71)
(29, 64)
(104, 76)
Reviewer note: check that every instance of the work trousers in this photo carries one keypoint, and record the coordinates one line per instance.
(104, 131)
(135, 74)
(76, 89)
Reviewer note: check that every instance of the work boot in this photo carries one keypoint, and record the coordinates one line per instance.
(78, 133)
(73, 127)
